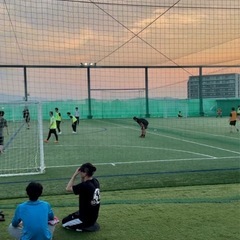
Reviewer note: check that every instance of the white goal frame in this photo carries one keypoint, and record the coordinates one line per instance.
(23, 147)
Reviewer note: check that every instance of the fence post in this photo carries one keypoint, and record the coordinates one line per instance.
(25, 84)
(146, 92)
(201, 112)
(89, 94)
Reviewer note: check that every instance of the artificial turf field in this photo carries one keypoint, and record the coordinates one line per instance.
(209, 212)
(180, 182)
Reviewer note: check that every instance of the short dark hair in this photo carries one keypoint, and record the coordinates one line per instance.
(2, 113)
(88, 168)
(68, 113)
(34, 190)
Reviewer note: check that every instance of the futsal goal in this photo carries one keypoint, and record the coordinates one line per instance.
(23, 145)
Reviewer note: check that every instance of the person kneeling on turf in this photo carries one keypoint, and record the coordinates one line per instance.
(89, 200)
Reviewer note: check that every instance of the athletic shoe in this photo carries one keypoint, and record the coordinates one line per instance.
(46, 141)
(2, 217)
(56, 141)
(74, 132)
(60, 133)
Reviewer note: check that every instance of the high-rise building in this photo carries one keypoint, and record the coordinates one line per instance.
(215, 86)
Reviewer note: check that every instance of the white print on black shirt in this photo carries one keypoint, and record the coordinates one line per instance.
(96, 197)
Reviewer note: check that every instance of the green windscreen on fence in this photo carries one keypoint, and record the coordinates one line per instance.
(127, 108)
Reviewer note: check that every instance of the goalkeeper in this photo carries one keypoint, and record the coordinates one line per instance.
(3, 124)
(26, 116)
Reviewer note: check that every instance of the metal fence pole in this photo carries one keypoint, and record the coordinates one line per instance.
(201, 112)
(146, 92)
(89, 94)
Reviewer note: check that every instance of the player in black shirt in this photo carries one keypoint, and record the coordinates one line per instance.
(26, 116)
(89, 200)
(143, 123)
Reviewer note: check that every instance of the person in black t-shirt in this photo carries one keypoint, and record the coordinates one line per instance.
(89, 200)
(143, 123)
(26, 116)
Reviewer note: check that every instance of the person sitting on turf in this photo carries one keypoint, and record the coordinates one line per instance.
(85, 219)
(180, 114)
(143, 123)
(33, 219)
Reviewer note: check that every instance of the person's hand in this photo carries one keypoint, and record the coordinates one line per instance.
(76, 172)
(20, 225)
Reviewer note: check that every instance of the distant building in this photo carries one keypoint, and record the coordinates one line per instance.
(215, 86)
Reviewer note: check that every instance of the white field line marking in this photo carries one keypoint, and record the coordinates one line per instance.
(141, 147)
(206, 133)
(145, 161)
(182, 140)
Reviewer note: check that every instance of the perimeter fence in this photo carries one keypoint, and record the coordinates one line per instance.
(122, 91)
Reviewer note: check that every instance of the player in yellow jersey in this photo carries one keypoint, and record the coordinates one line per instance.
(233, 120)
(52, 128)
(74, 122)
(58, 117)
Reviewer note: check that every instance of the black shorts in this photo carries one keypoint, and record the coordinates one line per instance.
(1, 140)
(232, 123)
(27, 119)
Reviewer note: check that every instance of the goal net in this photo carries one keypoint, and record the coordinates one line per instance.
(23, 145)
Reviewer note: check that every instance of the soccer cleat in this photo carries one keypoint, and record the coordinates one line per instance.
(46, 141)
(56, 141)
(74, 132)
(60, 133)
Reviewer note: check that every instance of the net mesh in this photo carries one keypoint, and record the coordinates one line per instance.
(88, 54)
(22, 146)
(166, 32)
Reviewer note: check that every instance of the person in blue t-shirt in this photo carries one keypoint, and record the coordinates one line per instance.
(31, 218)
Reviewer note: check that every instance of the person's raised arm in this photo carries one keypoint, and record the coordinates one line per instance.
(71, 181)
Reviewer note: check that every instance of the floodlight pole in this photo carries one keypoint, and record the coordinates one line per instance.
(25, 84)
(89, 94)
(201, 112)
(146, 92)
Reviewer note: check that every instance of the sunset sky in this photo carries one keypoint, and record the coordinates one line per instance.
(119, 33)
